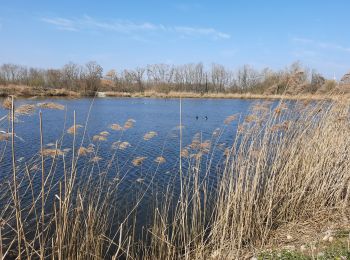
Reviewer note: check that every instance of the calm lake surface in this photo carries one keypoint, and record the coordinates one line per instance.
(159, 115)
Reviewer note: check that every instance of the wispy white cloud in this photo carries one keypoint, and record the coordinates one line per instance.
(187, 7)
(302, 40)
(193, 31)
(88, 23)
(322, 45)
(61, 23)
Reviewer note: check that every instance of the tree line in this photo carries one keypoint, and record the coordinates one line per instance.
(192, 77)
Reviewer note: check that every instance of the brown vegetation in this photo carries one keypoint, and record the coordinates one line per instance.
(274, 189)
(163, 80)
(51, 105)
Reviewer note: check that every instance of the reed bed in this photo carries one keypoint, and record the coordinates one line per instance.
(287, 164)
(178, 94)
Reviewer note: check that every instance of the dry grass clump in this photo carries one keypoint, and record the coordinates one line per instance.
(25, 109)
(117, 94)
(73, 129)
(197, 156)
(52, 152)
(138, 160)
(104, 133)
(195, 145)
(120, 145)
(149, 135)
(83, 151)
(205, 146)
(129, 123)
(95, 159)
(196, 142)
(99, 138)
(116, 127)
(184, 153)
(160, 160)
(5, 136)
(51, 105)
(7, 103)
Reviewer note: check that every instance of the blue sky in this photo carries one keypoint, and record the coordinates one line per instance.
(126, 34)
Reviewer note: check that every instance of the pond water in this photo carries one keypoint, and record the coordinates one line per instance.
(159, 115)
(201, 118)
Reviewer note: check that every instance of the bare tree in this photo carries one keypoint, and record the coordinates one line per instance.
(71, 73)
(219, 77)
(92, 75)
(138, 77)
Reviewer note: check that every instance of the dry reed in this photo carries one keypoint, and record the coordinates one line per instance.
(138, 160)
(149, 135)
(51, 105)
(99, 138)
(26, 109)
(120, 145)
(7, 103)
(160, 160)
(73, 129)
(129, 123)
(52, 152)
(116, 127)
(281, 169)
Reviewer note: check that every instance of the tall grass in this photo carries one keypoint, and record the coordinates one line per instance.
(287, 163)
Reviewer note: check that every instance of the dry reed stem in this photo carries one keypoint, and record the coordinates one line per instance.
(229, 119)
(269, 183)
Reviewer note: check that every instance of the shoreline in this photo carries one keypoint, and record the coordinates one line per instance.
(30, 93)
(191, 95)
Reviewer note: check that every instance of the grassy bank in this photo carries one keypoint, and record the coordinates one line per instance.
(284, 184)
(171, 94)
(26, 92)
